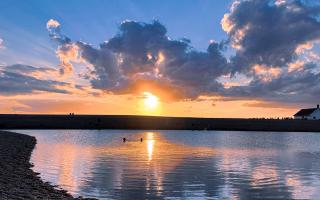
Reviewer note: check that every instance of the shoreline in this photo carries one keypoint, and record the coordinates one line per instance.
(24, 121)
(17, 179)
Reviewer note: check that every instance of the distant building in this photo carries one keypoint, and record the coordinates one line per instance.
(309, 113)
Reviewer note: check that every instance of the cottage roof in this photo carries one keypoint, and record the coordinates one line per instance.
(305, 112)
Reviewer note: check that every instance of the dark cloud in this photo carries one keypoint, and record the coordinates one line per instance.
(142, 52)
(269, 32)
(294, 87)
(18, 79)
(26, 69)
(267, 35)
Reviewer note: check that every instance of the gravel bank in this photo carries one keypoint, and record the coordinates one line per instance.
(17, 180)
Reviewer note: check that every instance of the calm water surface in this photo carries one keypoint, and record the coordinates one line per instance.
(180, 164)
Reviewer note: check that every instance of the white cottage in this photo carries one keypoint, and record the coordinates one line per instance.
(309, 113)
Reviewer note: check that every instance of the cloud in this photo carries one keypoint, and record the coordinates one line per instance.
(298, 65)
(298, 86)
(142, 57)
(1, 43)
(27, 70)
(264, 104)
(11, 105)
(266, 73)
(268, 38)
(54, 106)
(54, 30)
(270, 33)
(52, 24)
(67, 51)
(19, 79)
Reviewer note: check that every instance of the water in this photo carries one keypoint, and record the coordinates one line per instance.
(180, 164)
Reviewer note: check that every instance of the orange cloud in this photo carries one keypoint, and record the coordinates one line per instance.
(52, 23)
(229, 81)
(303, 47)
(266, 73)
(226, 23)
(296, 66)
(67, 53)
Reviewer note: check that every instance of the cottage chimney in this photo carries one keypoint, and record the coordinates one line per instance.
(318, 106)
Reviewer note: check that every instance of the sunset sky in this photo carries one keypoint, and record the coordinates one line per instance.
(200, 58)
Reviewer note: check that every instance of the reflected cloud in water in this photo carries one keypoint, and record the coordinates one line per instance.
(180, 164)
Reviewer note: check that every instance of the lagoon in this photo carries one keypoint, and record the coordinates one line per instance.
(179, 164)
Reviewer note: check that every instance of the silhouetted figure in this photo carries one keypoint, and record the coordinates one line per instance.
(124, 139)
(141, 139)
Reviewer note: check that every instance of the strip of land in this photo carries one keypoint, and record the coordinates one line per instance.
(8, 121)
(17, 180)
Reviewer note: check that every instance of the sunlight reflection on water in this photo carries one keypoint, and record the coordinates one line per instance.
(180, 164)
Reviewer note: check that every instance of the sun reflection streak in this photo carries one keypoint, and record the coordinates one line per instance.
(150, 145)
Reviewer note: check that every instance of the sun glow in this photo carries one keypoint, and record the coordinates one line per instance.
(150, 101)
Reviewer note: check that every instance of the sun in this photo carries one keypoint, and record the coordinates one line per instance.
(150, 101)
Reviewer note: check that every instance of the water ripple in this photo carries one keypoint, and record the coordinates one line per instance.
(180, 164)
